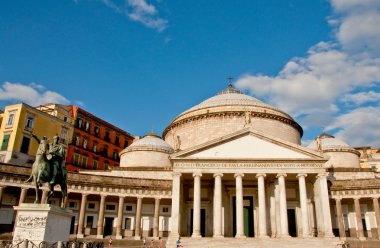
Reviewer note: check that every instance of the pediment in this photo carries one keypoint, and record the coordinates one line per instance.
(248, 145)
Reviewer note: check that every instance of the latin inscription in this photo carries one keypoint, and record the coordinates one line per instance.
(30, 227)
(247, 165)
(32, 221)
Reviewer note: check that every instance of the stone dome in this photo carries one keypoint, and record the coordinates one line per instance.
(226, 113)
(340, 154)
(149, 152)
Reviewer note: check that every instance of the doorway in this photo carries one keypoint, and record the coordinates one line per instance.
(72, 225)
(292, 226)
(108, 226)
(203, 222)
(248, 216)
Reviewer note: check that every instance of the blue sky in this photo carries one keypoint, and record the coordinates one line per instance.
(139, 63)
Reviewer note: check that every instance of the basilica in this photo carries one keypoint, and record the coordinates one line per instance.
(228, 172)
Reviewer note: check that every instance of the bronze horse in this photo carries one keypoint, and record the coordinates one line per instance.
(42, 173)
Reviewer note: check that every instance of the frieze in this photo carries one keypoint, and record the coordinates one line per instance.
(247, 165)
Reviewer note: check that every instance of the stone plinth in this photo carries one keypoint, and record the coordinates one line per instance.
(42, 222)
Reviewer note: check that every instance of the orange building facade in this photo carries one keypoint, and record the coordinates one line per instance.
(96, 144)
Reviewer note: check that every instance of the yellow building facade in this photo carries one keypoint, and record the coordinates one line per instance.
(19, 122)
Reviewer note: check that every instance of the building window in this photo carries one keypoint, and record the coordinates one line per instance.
(11, 118)
(64, 132)
(115, 154)
(89, 221)
(85, 143)
(97, 131)
(65, 118)
(117, 140)
(84, 161)
(25, 145)
(4, 145)
(91, 205)
(95, 164)
(110, 207)
(107, 136)
(87, 128)
(106, 165)
(80, 123)
(129, 208)
(105, 151)
(77, 140)
(128, 223)
(76, 158)
(125, 143)
(95, 147)
(29, 123)
(165, 210)
(73, 205)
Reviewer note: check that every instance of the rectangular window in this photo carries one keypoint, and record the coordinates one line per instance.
(64, 133)
(87, 128)
(76, 158)
(129, 208)
(105, 152)
(11, 118)
(25, 145)
(165, 210)
(97, 131)
(95, 164)
(117, 140)
(85, 143)
(128, 223)
(115, 154)
(91, 205)
(89, 221)
(107, 136)
(29, 123)
(84, 161)
(110, 207)
(106, 165)
(95, 147)
(4, 145)
(125, 143)
(72, 205)
(65, 118)
(77, 140)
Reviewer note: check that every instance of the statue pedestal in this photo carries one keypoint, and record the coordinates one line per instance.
(42, 222)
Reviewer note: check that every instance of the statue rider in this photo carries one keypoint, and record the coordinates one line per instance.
(56, 157)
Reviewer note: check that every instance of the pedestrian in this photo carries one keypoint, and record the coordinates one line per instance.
(110, 242)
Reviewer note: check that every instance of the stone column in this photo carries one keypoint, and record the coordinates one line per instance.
(119, 223)
(377, 214)
(303, 203)
(82, 213)
(1, 194)
(239, 206)
(359, 218)
(99, 231)
(138, 219)
(262, 208)
(272, 218)
(283, 205)
(197, 206)
(156, 218)
(277, 209)
(218, 206)
(176, 199)
(23, 193)
(44, 196)
(342, 232)
(324, 205)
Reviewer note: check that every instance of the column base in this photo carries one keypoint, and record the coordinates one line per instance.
(99, 236)
(119, 237)
(329, 235)
(218, 236)
(240, 236)
(284, 236)
(196, 235)
(263, 237)
(80, 236)
(137, 238)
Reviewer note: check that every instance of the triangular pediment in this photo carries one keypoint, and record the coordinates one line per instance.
(248, 145)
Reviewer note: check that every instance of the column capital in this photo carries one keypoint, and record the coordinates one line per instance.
(197, 174)
(158, 198)
(139, 197)
(122, 196)
(260, 175)
(103, 195)
(375, 197)
(281, 175)
(338, 198)
(177, 174)
(238, 175)
(301, 175)
(356, 198)
(218, 175)
(321, 175)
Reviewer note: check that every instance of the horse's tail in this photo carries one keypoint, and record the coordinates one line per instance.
(29, 179)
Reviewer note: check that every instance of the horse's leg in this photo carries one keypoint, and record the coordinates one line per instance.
(51, 193)
(64, 194)
(36, 189)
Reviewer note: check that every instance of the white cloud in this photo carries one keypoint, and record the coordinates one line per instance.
(32, 94)
(362, 97)
(331, 71)
(358, 127)
(139, 11)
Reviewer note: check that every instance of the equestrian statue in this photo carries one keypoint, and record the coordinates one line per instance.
(49, 168)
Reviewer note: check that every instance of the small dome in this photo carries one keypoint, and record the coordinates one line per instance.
(149, 152)
(151, 141)
(340, 154)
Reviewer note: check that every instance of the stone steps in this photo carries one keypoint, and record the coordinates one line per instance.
(256, 243)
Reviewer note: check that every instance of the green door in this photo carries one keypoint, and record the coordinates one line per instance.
(246, 222)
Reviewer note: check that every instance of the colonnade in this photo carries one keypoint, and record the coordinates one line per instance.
(279, 203)
(358, 216)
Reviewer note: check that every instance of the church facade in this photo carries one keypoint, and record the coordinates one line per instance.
(230, 168)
